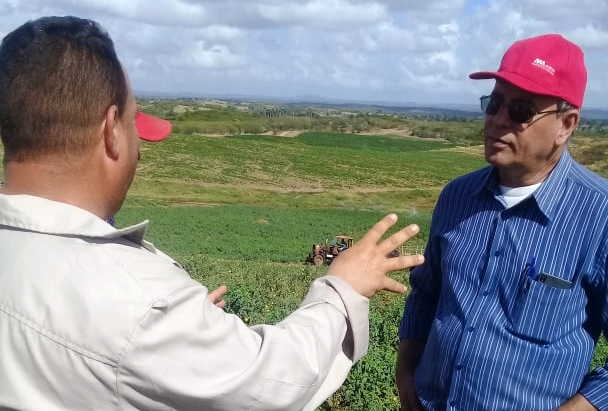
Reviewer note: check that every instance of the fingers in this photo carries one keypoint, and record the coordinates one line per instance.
(220, 304)
(398, 238)
(378, 230)
(393, 286)
(404, 261)
(216, 295)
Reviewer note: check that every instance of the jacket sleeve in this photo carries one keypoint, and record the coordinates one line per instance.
(425, 281)
(188, 354)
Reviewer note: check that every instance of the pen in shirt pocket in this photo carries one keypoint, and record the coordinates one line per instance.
(544, 278)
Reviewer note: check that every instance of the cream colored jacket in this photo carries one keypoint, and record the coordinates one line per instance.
(95, 318)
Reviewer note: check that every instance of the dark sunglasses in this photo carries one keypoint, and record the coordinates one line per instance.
(520, 110)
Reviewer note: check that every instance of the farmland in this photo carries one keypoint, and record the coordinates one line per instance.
(243, 209)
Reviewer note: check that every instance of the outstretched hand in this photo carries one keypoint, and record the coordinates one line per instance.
(365, 265)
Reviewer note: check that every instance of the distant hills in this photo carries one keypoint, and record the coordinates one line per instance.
(448, 110)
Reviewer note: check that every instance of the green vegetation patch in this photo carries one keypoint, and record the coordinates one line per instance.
(304, 163)
(370, 385)
(371, 142)
(459, 132)
(249, 233)
(244, 210)
(252, 249)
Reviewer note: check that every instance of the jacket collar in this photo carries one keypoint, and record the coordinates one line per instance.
(41, 215)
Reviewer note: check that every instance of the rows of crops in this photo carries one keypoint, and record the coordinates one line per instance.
(244, 211)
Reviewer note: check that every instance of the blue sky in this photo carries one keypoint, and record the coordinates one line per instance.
(396, 51)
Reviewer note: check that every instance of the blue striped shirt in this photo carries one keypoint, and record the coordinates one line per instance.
(497, 338)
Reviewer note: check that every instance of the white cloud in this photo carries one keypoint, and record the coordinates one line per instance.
(589, 36)
(202, 55)
(323, 12)
(159, 12)
(400, 50)
(222, 33)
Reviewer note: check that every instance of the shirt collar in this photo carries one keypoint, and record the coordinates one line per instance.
(548, 193)
(41, 215)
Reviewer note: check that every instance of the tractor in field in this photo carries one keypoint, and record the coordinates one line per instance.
(325, 253)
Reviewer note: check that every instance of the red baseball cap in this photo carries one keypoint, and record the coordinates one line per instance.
(151, 128)
(547, 64)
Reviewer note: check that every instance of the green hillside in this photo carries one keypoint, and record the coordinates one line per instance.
(244, 210)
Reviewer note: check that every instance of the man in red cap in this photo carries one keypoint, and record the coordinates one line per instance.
(95, 318)
(512, 298)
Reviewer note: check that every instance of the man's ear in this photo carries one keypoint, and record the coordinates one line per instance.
(570, 120)
(110, 136)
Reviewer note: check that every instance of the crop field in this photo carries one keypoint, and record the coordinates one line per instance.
(259, 253)
(311, 171)
(225, 119)
(244, 210)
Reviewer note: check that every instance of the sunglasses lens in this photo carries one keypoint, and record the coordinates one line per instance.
(521, 111)
(490, 104)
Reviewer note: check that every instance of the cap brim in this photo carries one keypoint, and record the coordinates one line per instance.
(517, 80)
(151, 128)
(483, 75)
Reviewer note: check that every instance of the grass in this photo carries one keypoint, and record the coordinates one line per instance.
(247, 233)
(252, 249)
(259, 248)
(245, 209)
(191, 118)
(601, 354)
(461, 132)
(340, 171)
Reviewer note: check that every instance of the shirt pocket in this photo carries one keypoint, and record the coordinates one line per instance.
(539, 312)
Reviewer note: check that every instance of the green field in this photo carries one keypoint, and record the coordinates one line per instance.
(259, 253)
(216, 118)
(244, 211)
(311, 171)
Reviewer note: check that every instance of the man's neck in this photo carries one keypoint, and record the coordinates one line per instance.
(509, 179)
(54, 182)
(521, 176)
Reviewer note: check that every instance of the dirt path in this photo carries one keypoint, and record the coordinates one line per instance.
(401, 132)
(474, 150)
(294, 189)
(286, 133)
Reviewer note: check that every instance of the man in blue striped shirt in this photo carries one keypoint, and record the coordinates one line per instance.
(506, 310)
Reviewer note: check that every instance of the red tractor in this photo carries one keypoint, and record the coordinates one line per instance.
(325, 253)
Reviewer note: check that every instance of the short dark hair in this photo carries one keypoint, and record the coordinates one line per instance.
(563, 106)
(58, 76)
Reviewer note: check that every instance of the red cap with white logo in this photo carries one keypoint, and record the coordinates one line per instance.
(548, 65)
(151, 128)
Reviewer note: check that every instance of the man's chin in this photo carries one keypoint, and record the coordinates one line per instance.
(495, 158)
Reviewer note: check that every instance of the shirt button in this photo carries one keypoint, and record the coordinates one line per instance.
(471, 329)
(497, 253)
(453, 403)
(459, 367)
